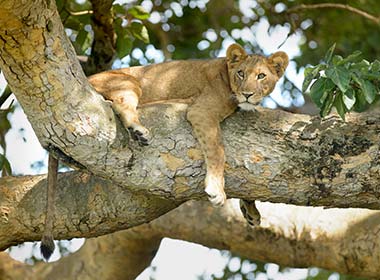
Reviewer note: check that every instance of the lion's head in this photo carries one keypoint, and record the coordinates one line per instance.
(252, 77)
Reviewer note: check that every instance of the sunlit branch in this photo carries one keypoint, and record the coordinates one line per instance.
(335, 6)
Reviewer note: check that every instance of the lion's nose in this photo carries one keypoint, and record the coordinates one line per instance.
(247, 94)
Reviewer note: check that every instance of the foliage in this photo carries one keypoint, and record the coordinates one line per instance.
(134, 29)
(128, 24)
(348, 84)
(175, 27)
(5, 126)
(241, 268)
(238, 267)
(321, 27)
(185, 29)
(322, 274)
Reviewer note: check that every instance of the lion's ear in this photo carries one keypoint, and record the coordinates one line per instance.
(235, 54)
(279, 61)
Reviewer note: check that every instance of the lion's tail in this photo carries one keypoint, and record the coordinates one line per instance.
(47, 241)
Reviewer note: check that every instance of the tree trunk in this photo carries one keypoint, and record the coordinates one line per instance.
(271, 156)
(343, 240)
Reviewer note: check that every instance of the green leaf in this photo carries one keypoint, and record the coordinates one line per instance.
(73, 23)
(339, 105)
(340, 76)
(320, 89)
(83, 40)
(361, 103)
(59, 4)
(372, 76)
(364, 64)
(349, 99)
(329, 54)
(118, 9)
(124, 39)
(138, 12)
(368, 89)
(327, 105)
(337, 59)
(310, 74)
(5, 125)
(124, 42)
(5, 165)
(354, 57)
(139, 31)
(375, 66)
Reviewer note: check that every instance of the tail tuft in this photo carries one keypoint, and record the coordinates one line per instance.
(47, 247)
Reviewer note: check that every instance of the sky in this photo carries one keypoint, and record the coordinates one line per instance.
(28, 157)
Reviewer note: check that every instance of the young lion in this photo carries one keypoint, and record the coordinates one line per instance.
(213, 89)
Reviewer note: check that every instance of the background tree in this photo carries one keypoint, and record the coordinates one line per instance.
(344, 174)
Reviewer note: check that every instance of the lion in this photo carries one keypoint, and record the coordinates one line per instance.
(213, 88)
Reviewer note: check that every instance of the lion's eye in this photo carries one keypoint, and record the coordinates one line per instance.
(240, 74)
(261, 76)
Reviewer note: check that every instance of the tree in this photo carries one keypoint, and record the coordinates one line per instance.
(271, 156)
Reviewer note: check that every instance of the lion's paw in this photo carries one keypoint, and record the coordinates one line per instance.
(215, 190)
(140, 134)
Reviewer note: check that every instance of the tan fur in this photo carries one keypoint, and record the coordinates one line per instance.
(213, 88)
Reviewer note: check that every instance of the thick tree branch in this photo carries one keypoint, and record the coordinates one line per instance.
(271, 155)
(288, 160)
(40, 66)
(334, 6)
(122, 255)
(86, 206)
(343, 240)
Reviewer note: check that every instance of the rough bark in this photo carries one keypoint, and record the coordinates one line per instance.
(271, 155)
(343, 240)
(122, 255)
(41, 67)
(86, 206)
(290, 161)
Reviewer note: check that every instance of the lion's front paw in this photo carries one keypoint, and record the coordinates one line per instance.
(215, 190)
(140, 134)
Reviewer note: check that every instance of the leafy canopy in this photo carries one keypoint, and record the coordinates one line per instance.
(348, 84)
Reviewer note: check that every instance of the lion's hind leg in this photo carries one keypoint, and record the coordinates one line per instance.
(250, 212)
(124, 91)
(125, 104)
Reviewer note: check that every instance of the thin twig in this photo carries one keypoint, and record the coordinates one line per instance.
(80, 13)
(335, 6)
